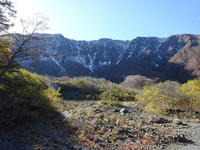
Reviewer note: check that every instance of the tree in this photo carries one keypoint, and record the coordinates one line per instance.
(6, 11)
(137, 81)
(191, 94)
(5, 55)
(158, 98)
(18, 43)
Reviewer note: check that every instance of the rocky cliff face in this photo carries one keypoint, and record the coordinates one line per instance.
(185, 61)
(177, 57)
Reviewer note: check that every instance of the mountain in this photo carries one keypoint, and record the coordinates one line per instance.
(176, 57)
(185, 62)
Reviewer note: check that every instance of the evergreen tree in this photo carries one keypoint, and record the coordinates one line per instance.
(6, 11)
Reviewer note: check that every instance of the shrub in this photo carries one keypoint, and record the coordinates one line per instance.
(61, 79)
(160, 97)
(88, 88)
(117, 93)
(190, 92)
(25, 97)
(137, 81)
(82, 88)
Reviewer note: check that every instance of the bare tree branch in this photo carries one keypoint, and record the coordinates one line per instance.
(30, 27)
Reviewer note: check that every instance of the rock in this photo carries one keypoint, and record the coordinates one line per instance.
(56, 146)
(123, 110)
(101, 117)
(101, 139)
(97, 110)
(111, 127)
(159, 120)
(180, 138)
(66, 114)
(162, 147)
(124, 131)
(178, 122)
(194, 120)
(102, 145)
(147, 129)
(116, 110)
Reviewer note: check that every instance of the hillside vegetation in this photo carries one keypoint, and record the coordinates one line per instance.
(162, 98)
(26, 97)
(88, 88)
(156, 98)
(97, 111)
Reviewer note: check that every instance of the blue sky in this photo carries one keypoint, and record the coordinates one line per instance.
(116, 19)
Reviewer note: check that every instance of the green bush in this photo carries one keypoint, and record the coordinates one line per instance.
(89, 88)
(26, 97)
(83, 88)
(118, 93)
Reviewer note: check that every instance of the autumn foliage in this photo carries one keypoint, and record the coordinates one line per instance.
(162, 97)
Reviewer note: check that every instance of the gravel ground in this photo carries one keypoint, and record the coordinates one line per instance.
(194, 135)
(97, 125)
(47, 134)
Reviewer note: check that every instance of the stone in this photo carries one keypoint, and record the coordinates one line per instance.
(123, 110)
(97, 110)
(180, 138)
(159, 120)
(101, 117)
(162, 147)
(123, 131)
(116, 110)
(66, 114)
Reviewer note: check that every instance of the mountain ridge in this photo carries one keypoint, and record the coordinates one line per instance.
(115, 59)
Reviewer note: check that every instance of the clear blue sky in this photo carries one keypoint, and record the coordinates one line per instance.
(116, 19)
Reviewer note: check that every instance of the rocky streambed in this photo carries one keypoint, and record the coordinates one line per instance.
(123, 125)
(106, 125)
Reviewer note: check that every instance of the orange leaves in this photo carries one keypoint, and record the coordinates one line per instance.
(133, 147)
(100, 132)
(88, 142)
(148, 142)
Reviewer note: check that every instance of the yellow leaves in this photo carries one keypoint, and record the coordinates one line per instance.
(52, 94)
(155, 108)
(32, 86)
(191, 88)
(148, 94)
(160, 97)
(191, 93)
(5, 54)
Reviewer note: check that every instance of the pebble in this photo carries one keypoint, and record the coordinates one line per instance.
(123, 110)
(116, 110)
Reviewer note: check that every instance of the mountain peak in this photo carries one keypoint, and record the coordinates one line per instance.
(114, 59)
